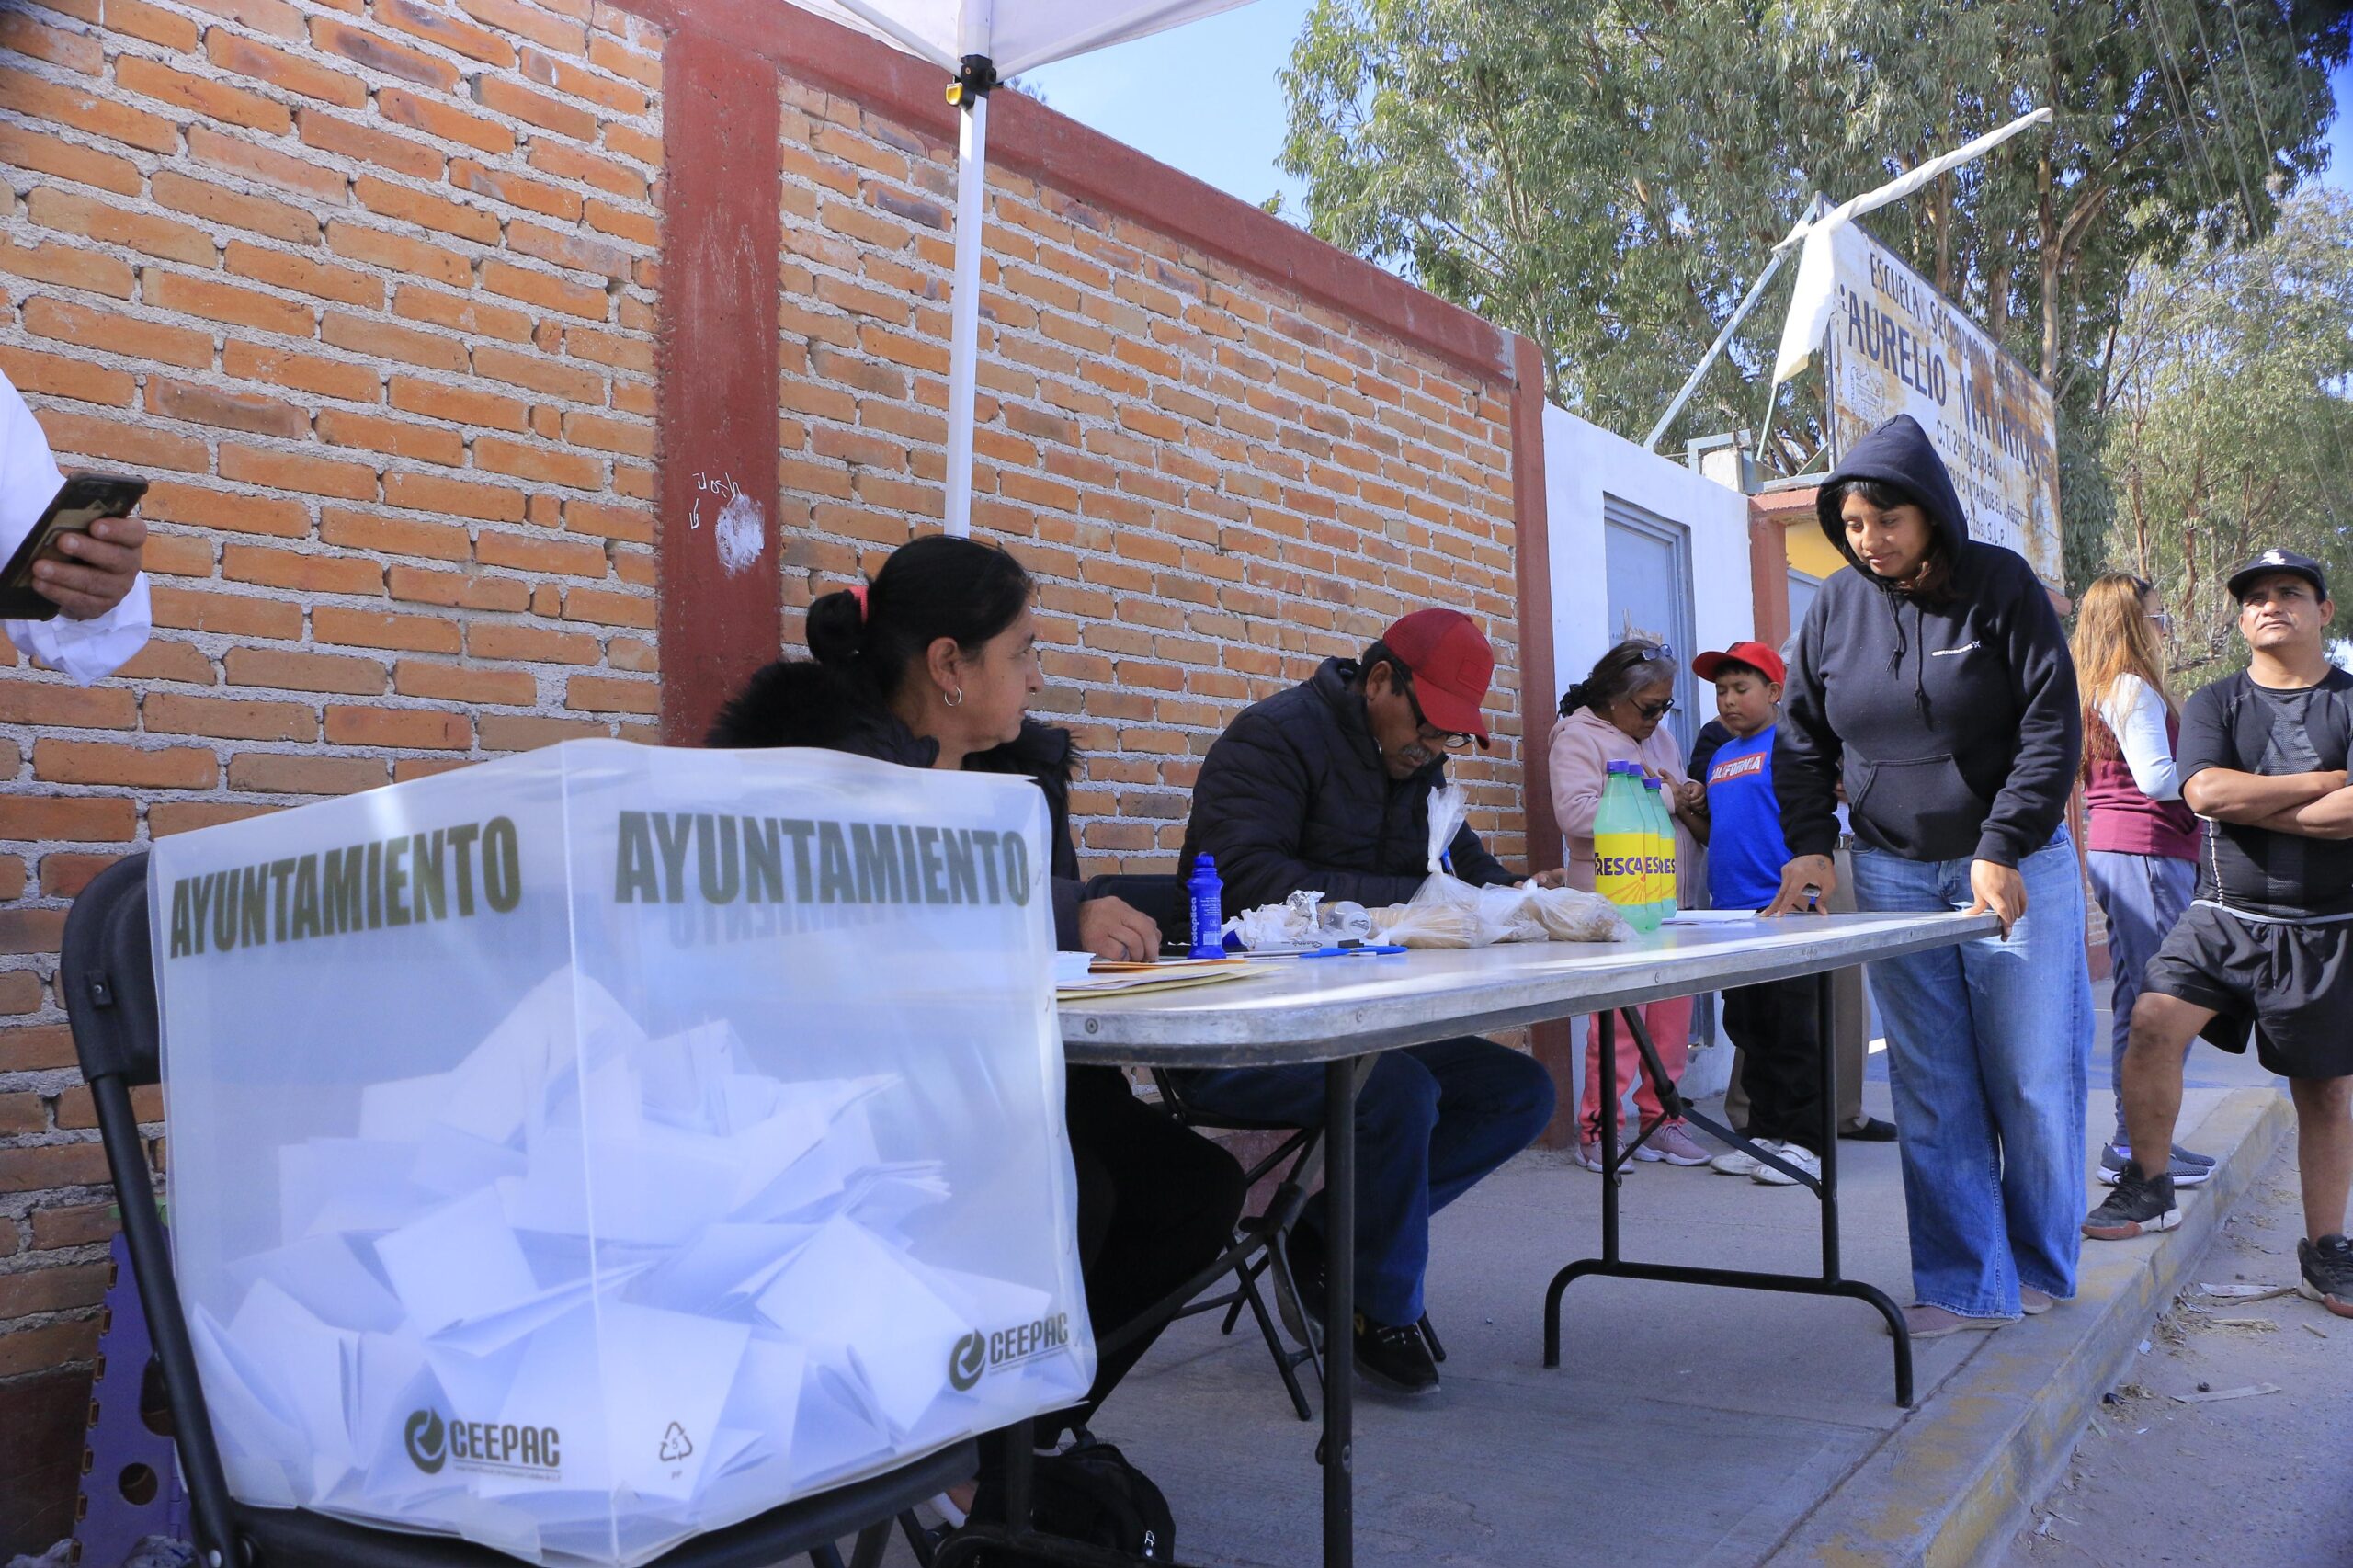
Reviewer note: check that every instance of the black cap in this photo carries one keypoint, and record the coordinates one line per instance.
(2275, 561)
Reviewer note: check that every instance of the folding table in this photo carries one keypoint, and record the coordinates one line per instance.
(1342, 1013)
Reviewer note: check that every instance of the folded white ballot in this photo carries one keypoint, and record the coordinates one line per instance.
(619, 1141)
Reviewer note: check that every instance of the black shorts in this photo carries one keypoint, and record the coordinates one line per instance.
(2292, 984)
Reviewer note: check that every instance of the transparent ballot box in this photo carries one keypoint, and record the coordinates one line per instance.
(593, 1148)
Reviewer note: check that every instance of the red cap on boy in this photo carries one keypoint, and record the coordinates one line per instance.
(1755, 655)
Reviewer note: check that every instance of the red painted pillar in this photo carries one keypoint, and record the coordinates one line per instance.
(720, 593)
(1555, 1043)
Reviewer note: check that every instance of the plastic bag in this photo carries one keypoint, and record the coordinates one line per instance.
(1443, 913)
(1572, 914)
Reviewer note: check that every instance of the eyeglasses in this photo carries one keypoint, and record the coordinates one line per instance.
(1453, 740)
(1658, 651)
(2164, 617)
(1655, 709)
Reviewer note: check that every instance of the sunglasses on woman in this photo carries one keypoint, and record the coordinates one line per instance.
(1652, 710)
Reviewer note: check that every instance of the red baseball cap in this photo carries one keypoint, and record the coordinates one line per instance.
(1451, 665)
(1755, 655)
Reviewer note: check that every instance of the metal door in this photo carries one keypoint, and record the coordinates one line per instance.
(1648, 559)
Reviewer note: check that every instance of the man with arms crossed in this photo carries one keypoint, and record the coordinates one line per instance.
(2269, 938)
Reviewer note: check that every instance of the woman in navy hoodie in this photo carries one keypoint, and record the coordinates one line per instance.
(1933, 679)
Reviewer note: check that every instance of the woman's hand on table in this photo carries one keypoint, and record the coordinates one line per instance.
(1999, 889)
(1803, 872)
(1115, 929)
(1558, 876)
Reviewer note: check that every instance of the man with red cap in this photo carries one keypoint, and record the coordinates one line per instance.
(1326, 787)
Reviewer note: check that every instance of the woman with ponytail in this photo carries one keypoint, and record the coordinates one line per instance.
(2143, 842)
(933, 664)
(1614, 715)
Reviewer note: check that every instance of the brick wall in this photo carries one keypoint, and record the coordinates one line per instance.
(1219, 481)
(370, 289)
(367, 290)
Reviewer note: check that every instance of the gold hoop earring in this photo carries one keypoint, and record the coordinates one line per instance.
(954, 698)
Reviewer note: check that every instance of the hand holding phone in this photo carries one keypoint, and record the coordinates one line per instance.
(82, 555)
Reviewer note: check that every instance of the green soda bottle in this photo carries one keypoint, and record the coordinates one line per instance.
(1662, 850)
(1622, 847)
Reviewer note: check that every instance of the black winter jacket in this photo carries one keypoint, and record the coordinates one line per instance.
(1293, 796)
(799, 702)
(1953, 723)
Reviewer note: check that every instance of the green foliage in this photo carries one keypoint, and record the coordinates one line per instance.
(2227, 426)
(1607, 178)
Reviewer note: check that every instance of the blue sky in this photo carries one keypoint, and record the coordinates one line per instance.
(1204, 98)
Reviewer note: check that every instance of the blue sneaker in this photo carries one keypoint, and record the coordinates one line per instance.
(2186, 1169)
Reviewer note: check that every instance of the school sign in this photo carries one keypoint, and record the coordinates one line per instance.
(1897, 347)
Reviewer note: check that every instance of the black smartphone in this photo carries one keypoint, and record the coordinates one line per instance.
(82, 500)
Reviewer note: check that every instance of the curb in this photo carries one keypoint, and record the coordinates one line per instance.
(1957, 1478)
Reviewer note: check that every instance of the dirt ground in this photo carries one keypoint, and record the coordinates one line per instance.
(2259, 1481)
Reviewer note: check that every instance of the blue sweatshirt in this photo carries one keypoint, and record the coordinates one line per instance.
(1953, 723)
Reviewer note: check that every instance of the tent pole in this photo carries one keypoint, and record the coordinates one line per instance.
(964, 305)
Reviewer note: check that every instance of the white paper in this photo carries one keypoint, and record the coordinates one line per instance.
(459, 1261)
(833, 1292)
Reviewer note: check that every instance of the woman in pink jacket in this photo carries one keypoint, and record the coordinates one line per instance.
(1613, 715)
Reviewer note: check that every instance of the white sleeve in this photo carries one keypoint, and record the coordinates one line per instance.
(89, 651)
(2135, 714)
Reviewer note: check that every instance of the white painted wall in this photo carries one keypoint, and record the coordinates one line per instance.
(1583, 463)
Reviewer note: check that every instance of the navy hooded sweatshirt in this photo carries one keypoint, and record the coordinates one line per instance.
(1953, 722)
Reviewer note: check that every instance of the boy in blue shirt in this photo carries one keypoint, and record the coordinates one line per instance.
(1775, 1025)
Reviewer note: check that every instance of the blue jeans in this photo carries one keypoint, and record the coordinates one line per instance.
(1988, 1046)
(1431, 1120)
(2143, 896)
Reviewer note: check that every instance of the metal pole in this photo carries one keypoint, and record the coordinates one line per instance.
(1340, 1312)
(964, 309)
(1650, 442)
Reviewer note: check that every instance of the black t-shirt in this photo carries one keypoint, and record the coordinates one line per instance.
(2237, 724)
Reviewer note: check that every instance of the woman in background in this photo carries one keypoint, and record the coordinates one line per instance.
(1614, 715)
(2143, 841)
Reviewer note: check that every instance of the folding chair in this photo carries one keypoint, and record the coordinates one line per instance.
(1297, 1154)
(108, 975)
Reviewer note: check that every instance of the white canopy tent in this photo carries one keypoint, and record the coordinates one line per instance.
(979, 43)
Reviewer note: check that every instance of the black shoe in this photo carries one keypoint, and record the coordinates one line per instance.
(2139, 1206)
(1871, 1130)
(1396, 1356)
(2328, 1275)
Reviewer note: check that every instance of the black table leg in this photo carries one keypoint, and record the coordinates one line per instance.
(1826, 1189)
(1340, 1312)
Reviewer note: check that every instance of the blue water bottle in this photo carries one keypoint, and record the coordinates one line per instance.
(1208, 908)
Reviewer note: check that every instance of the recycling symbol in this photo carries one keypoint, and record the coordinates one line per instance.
(674, 1445)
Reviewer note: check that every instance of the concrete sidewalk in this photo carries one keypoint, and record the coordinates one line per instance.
(1686, 1426)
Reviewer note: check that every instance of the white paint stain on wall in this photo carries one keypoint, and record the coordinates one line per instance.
(740, 530)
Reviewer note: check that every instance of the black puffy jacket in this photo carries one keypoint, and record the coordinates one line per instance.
(799, 702)
(1293, 796)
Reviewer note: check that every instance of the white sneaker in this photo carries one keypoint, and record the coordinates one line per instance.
(1797, 1155)
(1740, 1162)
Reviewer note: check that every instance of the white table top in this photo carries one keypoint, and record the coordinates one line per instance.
(1316, 1009)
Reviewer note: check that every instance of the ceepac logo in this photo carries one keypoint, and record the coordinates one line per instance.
(968, 1361)
(978, 1354)
(497, 1448)
(428, 1441)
